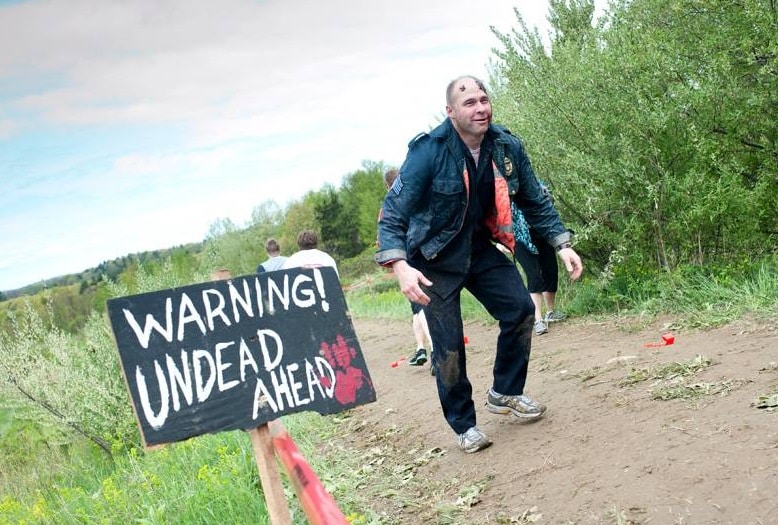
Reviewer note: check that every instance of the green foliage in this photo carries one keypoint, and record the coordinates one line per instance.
(63, 381)
(337, 220)
(357, 268)
(654, 127)
(345, 219)
(299, 216)
(241, 249)
(699, 296)
(209, 479)
(75, 382)
(348, 216)
(184, 255)
(364, 191)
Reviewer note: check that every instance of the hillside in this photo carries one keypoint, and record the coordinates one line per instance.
(107, 269)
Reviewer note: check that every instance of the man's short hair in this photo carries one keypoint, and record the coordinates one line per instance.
(389, 177)
(307, 240)
(450, 87)
(272, 246)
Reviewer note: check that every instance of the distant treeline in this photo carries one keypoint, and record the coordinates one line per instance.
(105, 270)
(68, 300)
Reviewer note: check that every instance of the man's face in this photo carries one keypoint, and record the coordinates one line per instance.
(470, 110)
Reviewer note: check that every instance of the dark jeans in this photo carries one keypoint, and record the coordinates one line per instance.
(542, 269)
(495, 282)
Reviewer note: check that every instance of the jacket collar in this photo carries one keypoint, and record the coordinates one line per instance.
(445, 130)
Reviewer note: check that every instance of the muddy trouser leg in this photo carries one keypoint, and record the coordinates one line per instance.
(444, 319)
(495, 281)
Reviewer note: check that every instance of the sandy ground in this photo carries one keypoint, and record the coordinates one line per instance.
(610, 449)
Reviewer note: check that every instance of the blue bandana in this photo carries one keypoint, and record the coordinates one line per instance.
(521, 229)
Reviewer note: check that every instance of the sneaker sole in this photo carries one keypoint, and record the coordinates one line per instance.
(504, 411)
(420, 361)
(478, 448)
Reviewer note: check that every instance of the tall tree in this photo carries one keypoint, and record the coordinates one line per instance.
(363, 191)
(338, 233)
(656, 126)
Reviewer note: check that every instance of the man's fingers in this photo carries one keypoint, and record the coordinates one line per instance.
(573, 263)
(416, 295)
(422, 298)
(574, 268)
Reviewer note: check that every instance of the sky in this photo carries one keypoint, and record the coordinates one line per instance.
(135, 125)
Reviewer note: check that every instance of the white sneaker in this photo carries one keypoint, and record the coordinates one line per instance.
(473, 440)
(519, 406)
(540, 328)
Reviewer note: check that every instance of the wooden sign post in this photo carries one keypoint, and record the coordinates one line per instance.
(238, 353)
(264, 455)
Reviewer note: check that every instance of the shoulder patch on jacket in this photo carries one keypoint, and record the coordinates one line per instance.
(415, 140)
(397, 185)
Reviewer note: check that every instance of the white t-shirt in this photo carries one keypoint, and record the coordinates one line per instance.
(274, 263)
(310, 259)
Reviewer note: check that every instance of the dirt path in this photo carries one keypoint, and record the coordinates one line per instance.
(607, 452)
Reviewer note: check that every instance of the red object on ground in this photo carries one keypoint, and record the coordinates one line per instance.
(467, 341)
(667, 340)
(395, 364)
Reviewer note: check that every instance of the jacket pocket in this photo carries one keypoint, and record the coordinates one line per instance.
(447, 201)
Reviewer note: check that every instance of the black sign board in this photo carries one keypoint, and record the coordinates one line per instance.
(237, 353)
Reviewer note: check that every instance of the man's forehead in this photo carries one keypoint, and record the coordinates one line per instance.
(468, 87)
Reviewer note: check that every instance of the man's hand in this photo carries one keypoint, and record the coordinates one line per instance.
(572, 262)
(409, 279)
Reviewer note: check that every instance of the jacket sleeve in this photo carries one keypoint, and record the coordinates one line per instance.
(534, 203)
(402, 200)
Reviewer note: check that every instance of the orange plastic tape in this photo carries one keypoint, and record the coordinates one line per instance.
(316, 502)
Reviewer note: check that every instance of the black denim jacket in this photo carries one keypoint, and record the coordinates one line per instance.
(426, 206)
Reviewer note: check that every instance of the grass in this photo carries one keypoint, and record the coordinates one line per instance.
(208, 479)
(668, 372)
(696, 296)
(380, 298)
(670, 380)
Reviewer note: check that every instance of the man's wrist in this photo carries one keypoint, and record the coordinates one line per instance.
(398, 262)
(564, 245)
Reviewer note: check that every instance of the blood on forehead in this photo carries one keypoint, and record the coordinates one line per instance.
(478, 83)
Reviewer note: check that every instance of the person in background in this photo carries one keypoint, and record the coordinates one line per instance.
(538, 260)
(420, 330)
(275, 260)
(309, 256)
(440, 218)
(222, 274)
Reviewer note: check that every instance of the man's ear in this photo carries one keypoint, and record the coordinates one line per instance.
(449, 110)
